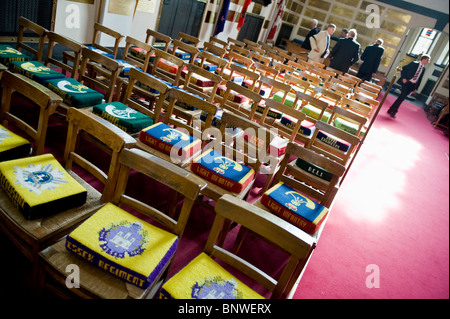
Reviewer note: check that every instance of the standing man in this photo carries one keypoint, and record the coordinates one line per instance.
(306, 44)
(372, 58)
(410, 79)
(345, 52)
(320, 44)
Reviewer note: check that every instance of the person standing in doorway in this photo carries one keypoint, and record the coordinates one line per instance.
(345, 52)
(372, 58)
(410, 78)
(320, 44)
(314, 30)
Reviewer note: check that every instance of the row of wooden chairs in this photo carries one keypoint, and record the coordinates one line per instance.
(164, 101)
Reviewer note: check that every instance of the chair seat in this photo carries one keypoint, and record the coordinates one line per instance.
(222, 171)
(35, 70)
(163, 137)
(296, 208)
(74, 93)
(9, 54)
(40, 186)
(124, 117)
(123, 245)
(203, 278)
(12, 146)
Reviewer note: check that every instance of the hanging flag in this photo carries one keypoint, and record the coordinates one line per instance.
(281, 5)
(222, 17)
(243, 12)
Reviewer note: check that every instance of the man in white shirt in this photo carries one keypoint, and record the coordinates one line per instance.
(320, 44)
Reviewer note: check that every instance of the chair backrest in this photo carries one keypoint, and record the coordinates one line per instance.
(46, 99)
(370, 87)
(312, 79)
(296, 83)
(221, 43)
(153, 36)
(329, 96)
(207, 58)
(99, 71)
(179, 180)
(361, 91)
(299, 65)
(99, 32)
(189, 39)
(143, 64)
(253, 100)
(41, 32)
(234, 57)
(340, 112)
(333, 142)
(309, 181)
(363, 98)
(248, 76)
(82, 124)
(178, 46)
(347, 79)
(357, 107)
(273, 86)
(258, 57)
(340, 89)
(214, 49)
(139, 86)
(265, 224)
(58, 40)
(196, 74)
(161, 72)
(265, 70)
(334, 70)
(232, 41)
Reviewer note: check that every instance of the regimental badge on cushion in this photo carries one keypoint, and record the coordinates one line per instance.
(12, 146)
(164, 137)
(123, 245)
(296, 208)
(314, 169)
(9, 54)
(222, 171)
(74, 93)
(333, 141)
(35, 71)
(124, 117)
(203, 278)
(272, 113)
(40, 186)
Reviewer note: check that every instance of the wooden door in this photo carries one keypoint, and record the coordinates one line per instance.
(251, 28)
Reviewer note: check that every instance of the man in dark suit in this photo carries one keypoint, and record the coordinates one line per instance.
(372, 58)
(345, 52)
(410, 78)
(306, 44)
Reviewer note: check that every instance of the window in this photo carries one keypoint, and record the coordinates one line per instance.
(424, 41)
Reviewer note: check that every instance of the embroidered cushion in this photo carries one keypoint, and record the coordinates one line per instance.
(289, 101)
(296, 208)
(12, 146)
(124, 117)
(333, 141)
(314, 169)
(74, 93)
(306, 128)
(109, 55)
(348, 126)
(163, 137)
(272, 113)
(141, 53)
(264, 91)
(123, 245)
(233, 96)
(9, 54)
(211, 67)
(185, 105)
(198, 80)
(222, 171)
(35, 71)
(186, 56)
(314, 112)
(40, 186)
(203, 278)
(126, 68)
(168, 66)
(237, 78)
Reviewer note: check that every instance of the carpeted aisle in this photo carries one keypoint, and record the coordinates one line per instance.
(390, 217)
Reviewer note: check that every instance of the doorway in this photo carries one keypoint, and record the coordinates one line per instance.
(251, 28)
(181, 16)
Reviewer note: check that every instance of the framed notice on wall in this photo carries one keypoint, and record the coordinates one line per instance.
(123, 7)
(83, 1)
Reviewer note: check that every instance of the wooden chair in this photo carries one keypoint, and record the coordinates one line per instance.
(232, 41)
(214, 49)
(31, 236)
(257, 57)
(142, 60)
(211, 62)
(155, 38)
(334, 70)
(58, 40)
(361, 91)
(312, 79)
(331, 97)
(333, 142)
(237, 151)
(205, 268)
(348, 121)
(358, 107)
(98, 283)
(189, 39)
(235, 59)
(298, 66)
(46, 100)
(313, 177)
(250, 43)
(239, 50)
(366, 100)
(221, 43)
(256, 49)
(343, 90)
(10, 52)
(297, 84)
(239, 74)
(184, 51)
(347, 79)
(239, 99)
(178, 130)
(136, 111)
(324, 76)
(370, 87)
(287, 129)
(167, 67)
(265, 70)
(100, 31)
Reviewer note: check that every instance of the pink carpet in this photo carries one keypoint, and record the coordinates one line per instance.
(390, 217)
